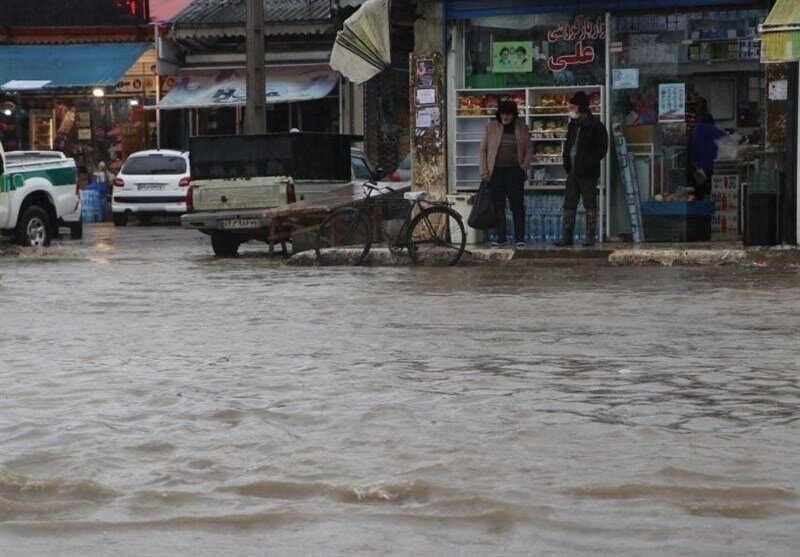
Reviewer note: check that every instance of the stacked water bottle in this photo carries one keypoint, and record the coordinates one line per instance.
(93, 203)
(545, 222)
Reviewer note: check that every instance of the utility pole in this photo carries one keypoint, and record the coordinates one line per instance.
(255, 116)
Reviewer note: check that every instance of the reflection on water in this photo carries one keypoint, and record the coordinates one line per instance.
(159, 401)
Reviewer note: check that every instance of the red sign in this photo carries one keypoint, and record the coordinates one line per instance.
(580, 29)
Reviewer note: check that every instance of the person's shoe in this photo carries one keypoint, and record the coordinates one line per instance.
(498, 244)
(520, 245)
(591, 227)
(568, 229)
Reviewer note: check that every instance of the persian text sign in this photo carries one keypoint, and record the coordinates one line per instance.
(580, 29)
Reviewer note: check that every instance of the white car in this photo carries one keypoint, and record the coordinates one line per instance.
(151, 183)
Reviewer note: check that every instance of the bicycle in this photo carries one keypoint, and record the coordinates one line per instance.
(434, 235)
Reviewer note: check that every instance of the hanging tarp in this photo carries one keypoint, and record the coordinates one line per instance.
(228, 87)
(23, 67)
(362, 48)
(780, 33)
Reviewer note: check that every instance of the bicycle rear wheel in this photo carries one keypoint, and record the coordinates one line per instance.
(437, 237)
(345, 229)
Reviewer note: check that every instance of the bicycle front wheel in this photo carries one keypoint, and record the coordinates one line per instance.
(346, 229)
(437, 237)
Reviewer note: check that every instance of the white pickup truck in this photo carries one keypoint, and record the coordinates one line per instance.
(236, 179)
(38, 191)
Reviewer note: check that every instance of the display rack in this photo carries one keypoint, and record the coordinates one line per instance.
(548, 118)
(475, 107)
(544, 110)
(42, 124)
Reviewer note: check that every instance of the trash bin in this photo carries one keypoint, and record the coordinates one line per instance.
(761, 224)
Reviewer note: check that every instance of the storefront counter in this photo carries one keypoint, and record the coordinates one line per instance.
(677, 221)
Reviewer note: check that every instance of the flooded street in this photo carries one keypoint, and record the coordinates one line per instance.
(157, 401)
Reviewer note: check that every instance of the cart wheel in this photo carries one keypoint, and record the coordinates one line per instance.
(346, 229)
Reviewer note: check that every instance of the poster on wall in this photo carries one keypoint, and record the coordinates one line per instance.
(672, 102)
(427, 117)
(425, 96)
(627, 78)
(512, 56)
(424, 72)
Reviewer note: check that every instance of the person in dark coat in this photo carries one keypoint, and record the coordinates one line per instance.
(703, 152)
(586, 145)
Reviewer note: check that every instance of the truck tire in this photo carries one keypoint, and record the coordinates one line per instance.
(34, 228)
(120, 219)
(76, 230)
(224, 245)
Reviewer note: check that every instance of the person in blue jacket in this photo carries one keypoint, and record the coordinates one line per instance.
(702, 153)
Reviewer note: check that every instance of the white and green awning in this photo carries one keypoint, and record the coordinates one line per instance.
(780, 33)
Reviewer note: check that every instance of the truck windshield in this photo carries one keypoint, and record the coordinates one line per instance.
(361, 168)
(154, 164)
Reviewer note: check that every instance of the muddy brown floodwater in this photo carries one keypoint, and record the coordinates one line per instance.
(157, 401)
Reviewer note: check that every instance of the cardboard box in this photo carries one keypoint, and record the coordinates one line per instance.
(644, 134)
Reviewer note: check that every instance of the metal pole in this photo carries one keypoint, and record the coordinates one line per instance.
(256, 110)
(158, 89)
(605, 221)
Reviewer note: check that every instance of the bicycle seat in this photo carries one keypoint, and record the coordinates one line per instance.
(415, 195)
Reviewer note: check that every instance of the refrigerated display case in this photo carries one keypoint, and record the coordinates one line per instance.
(42, 124)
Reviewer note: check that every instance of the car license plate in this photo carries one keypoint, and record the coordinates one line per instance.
(234, 224)
(151, 187)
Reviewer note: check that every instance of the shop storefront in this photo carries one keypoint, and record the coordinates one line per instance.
(299, 96)
(84, 100)
(653, 72)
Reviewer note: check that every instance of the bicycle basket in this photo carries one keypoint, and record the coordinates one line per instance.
(394, 207)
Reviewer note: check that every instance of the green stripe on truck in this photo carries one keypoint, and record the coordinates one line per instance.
(56, 176)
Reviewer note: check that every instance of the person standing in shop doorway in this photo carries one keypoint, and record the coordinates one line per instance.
(703, 153)
(586, 145)
(505, 156)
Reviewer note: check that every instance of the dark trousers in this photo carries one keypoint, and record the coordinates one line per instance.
(509, 182)
(577, 188)
(702, 191)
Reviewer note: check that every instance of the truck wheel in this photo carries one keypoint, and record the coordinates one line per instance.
(76, 230)
(224, 245)
(120, 219)
(33, 228)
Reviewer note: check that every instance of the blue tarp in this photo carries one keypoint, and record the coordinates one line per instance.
(70, 65)
(467, 9)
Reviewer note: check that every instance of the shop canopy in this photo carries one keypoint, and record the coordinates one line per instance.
(44, 67)
(468, 9)
(362, 48)
(780, 33)
(228, 87)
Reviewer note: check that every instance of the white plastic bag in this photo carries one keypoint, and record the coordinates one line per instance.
(728, 146)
